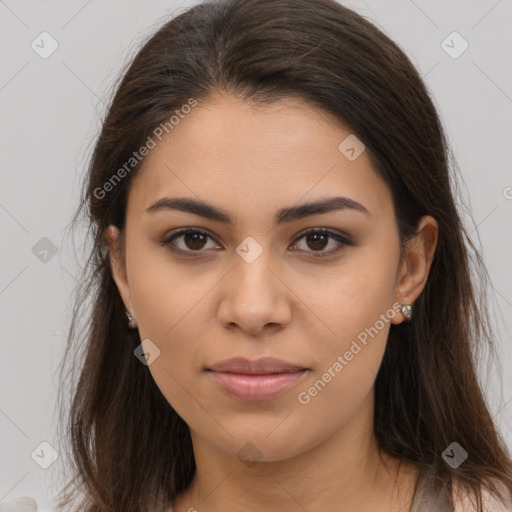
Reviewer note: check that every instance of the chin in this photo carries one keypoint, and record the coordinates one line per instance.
(262, 447)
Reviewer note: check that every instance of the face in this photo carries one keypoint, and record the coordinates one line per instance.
(262, 285)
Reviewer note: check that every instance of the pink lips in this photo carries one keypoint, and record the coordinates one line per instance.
(256, 380)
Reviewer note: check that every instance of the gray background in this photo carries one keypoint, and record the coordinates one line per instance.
(51, 110)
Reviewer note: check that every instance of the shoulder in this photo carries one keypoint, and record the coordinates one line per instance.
(463, 502)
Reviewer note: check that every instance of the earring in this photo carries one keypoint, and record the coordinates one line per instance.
(407, 311)
(131, 321)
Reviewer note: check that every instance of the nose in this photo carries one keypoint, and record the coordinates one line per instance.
(255, 297)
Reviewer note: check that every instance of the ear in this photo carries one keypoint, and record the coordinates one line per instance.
(112, 239)
(415, 267)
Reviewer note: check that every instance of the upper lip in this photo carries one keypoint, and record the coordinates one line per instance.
(265, 365)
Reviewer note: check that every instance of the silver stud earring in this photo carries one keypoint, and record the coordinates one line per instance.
(407, 311)
(131, 321)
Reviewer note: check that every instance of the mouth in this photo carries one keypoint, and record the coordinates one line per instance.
(257, 380)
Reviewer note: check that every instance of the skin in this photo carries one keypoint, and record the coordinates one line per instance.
(212, 305)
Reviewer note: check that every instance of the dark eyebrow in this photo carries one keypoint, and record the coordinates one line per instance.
(284, 215)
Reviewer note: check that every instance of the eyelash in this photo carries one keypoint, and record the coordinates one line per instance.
(343, 241)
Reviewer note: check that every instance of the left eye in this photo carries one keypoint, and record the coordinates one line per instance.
(318, 238)
(194, 240)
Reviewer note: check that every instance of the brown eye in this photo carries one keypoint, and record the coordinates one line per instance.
(193, 240)
(318, 239)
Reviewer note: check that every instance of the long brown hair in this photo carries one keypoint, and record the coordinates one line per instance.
(129, 450)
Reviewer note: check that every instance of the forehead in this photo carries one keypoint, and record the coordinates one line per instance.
(250, 158)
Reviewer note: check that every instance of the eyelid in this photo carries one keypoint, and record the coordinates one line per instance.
(325, 230)
(341, 239)
(168, 238)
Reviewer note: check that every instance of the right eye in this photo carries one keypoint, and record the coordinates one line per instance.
(193, 240)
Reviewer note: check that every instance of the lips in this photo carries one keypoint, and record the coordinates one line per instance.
(264, 366)
(256, 380)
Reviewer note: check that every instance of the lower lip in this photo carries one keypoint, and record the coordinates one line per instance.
(256, 387)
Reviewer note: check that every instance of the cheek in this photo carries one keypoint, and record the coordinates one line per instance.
(352, 309)
(164, 292)
(171, 302)
(169, 307)
(348, 360)
(350, 299)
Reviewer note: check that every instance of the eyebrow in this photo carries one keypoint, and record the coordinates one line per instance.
(284, 215)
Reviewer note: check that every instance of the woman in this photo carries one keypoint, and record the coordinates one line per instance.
(283, 316)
